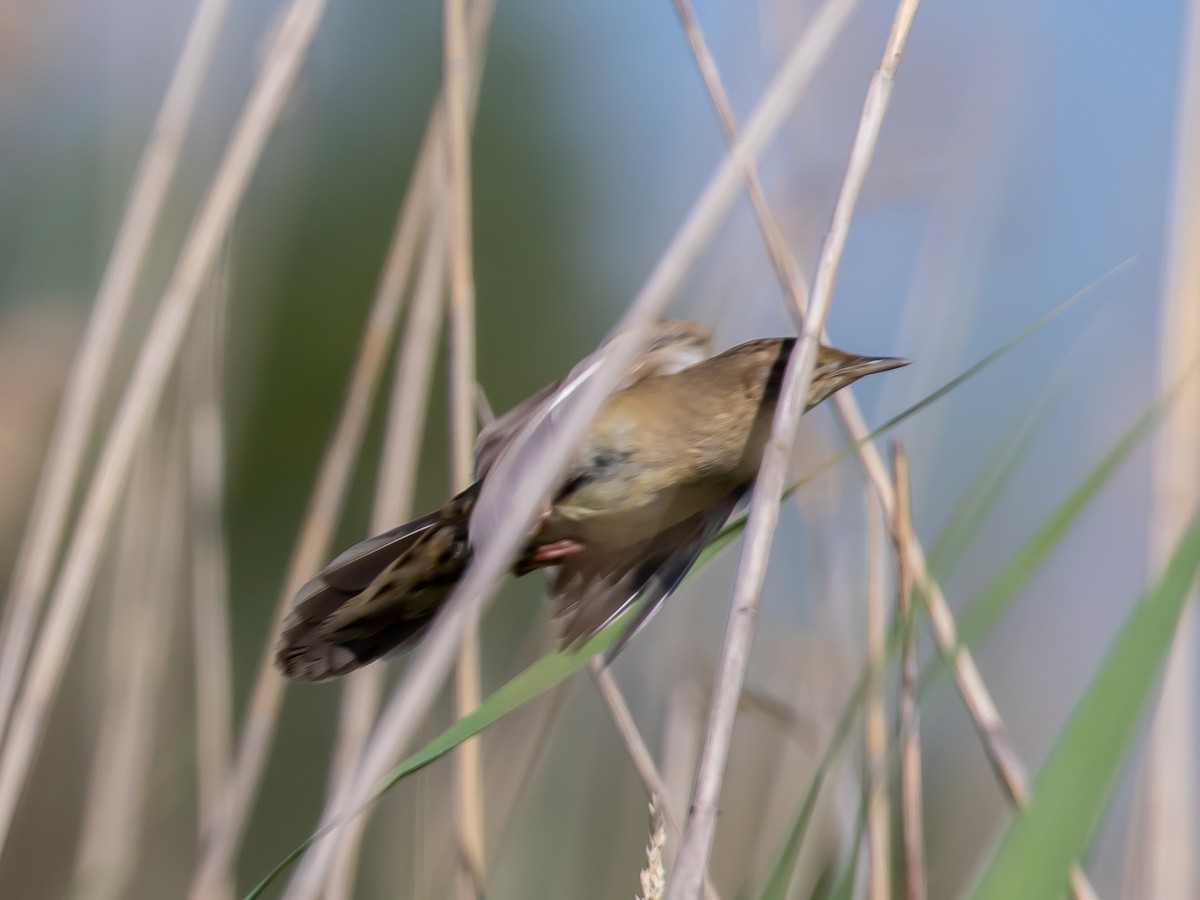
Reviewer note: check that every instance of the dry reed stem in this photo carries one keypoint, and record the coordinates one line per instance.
(1162, 857)
(975, 695)
(639, 754)
(909, 725)
(425, 674)
(333, 478)
(397, 476)
(787, 267)
(89, 372)
(768, 488)
(997, 745)
(468, 767)
(209, 560)
(393, 503)
(681, 729)
(875, 732)
(145, 588)
(155, 362)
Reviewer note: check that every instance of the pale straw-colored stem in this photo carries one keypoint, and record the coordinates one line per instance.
(333, 478)
(393, 503)
(787, 267)
(669, 807)
(912, 820)
(468, 767)
(209, 562)
(145, 591)
(1163, 839)
(430, 664)
(875, 732)
(975, 695)
(155, 363)
(89, 372)
(764, 504)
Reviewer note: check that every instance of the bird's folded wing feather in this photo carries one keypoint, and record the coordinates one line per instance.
(591, 591)
(518, 439)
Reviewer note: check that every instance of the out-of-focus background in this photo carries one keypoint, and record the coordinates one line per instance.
(1027, 152)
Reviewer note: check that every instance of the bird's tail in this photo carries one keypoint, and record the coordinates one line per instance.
(377, 598)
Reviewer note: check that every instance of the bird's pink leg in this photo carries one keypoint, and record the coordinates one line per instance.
(552, 552)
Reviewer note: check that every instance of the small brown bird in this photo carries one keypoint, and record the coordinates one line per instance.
(665, 461)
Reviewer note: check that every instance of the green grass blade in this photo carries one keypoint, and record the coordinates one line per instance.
(544, 675)
(738, 523)
(554, 668)
(1074, 786)
(980, 498)
(785, 862)
(977, 621)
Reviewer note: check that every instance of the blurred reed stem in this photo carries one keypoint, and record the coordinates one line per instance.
(1166, 824)
(425, 673)
(145, 590)
(468, 771)
(912, 822)
(875, 732)
(764, 503)
(203, 387)
(93, 361)
(156, 360)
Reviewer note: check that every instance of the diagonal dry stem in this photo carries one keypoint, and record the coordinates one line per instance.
(144, 595)
(1004, 759)
(639, 753)
(1162, 845)
(764, 505)
(393, 503)
(89, 372)
(154, 365)
(468, 772)
(911, 817)
(428, 668)
(333, 478)
(875, 737)
(209, 559)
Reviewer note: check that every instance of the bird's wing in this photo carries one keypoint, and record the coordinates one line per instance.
(377, 598)
(517, 440)
(496, 436)
(590, 591)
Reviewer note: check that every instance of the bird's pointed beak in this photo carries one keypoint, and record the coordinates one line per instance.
(859, 366)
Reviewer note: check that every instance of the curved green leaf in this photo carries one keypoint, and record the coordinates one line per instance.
(1074, 786)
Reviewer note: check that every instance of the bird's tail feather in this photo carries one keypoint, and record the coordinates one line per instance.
(377, 598)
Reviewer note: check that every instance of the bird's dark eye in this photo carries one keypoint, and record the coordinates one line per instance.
(606, 459)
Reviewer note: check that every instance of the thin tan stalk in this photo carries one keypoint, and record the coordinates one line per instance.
(428, 180)
(911, 815)
(468, 771)
(139, 640)
(154, 364)
(681, 729)
(975, 695)
(875, 734)
(787, 267)
(393, 503)
(1162, 845)
(764, 505)
(89, 372)
(639, 754)
(209, 559)
(429, 666)
(1162, 859)
(333, 478)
